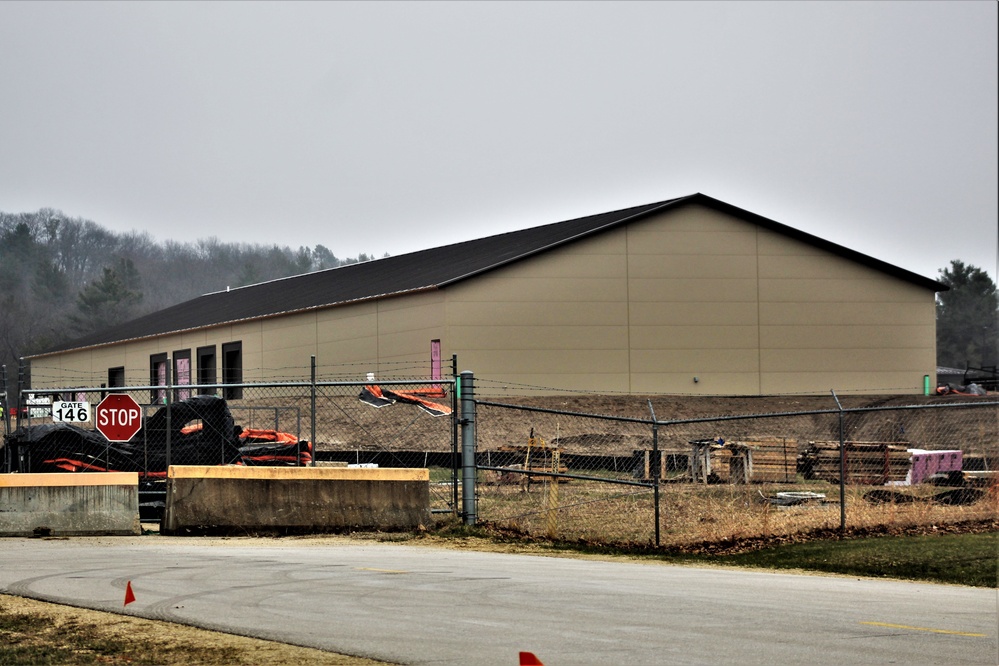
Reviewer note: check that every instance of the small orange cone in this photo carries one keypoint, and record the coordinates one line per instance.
(528, 659)
(129, 595)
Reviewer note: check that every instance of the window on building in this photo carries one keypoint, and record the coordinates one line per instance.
(206, 368)
(182, 373)
(435, 359)
(232, 369)
(116, 376)
(158, 377)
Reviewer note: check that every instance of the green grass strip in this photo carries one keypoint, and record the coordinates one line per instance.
(963, 559)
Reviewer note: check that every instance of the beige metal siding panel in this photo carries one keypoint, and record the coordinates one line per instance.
(514, 383)
(548, 321)
(691, 218)
(694, 337)
(292, 336)
(548, 362)
(814, 266)
(870, 360)
(834, 290)
(773, 244)
(711, 245)
(592, 263)
(692, 230)
(694, 361)
(519, 338)
(848, 314)
(413, 344)
(358, 350)
(347, 324)
(693, 314)
(847, 337)
(815, 382)
(574, 313)
(709, 383)
(510, 287)
(680, 266)
(706, 290)
(409, 315)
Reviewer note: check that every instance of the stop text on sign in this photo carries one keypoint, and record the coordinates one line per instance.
(118, 417)
(125, 417)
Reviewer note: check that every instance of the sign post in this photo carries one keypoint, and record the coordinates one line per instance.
(118, 417)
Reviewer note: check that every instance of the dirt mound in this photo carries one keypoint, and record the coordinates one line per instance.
(804, 418)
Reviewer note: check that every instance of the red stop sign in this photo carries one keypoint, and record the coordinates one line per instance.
(118, 417)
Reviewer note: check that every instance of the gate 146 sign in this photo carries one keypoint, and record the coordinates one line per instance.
(70, 412)
(118, 417)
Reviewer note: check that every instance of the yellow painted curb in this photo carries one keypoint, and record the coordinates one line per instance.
(69, 479)
(299, 473)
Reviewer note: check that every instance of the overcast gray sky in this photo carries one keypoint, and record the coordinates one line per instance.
(392, 127)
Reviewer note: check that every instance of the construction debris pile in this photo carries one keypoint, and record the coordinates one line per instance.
(196, 431)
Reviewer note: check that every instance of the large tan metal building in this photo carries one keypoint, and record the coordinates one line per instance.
(690, 295)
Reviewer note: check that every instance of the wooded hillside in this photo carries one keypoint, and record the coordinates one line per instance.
(63, 277)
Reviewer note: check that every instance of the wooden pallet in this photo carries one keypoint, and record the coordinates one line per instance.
(873, 463)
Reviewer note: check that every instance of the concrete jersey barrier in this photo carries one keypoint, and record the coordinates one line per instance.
(236, 499)
(61, 504)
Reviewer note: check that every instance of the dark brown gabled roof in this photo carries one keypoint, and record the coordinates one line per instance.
(421, 271)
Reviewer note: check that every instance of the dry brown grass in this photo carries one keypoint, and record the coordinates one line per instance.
(614, 514)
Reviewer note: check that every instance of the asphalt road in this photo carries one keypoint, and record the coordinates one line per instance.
(418, 605)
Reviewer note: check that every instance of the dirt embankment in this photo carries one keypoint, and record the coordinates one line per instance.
(975, 431)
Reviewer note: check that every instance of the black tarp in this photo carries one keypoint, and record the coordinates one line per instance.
(214, 440)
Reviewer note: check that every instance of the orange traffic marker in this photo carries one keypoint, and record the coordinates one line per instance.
(528, 659)
(129, 595)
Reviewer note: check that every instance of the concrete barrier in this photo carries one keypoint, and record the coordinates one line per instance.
(80, 504)
(240, 500)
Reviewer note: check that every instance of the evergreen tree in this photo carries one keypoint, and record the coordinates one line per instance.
(109, 301)
(55, 283)
(967, 318)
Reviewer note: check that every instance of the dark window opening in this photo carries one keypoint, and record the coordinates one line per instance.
(232, 369)
(206, 368)
(157, 377)
(116, 377)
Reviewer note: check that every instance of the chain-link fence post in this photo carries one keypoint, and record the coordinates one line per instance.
(167, 402)
(656, 470)
(842, 465)
(7, 462)
(20, 390)
(312, 417)
(468, 469)
(6, 402)
(454, 434)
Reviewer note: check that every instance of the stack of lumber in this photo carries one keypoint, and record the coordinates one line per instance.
(751, 460)
(714, 462)
(722, 467)
(774, 459)
(875, 463)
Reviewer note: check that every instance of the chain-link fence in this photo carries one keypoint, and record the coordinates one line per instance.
(568, 475)
(613, 480)
(385, 424)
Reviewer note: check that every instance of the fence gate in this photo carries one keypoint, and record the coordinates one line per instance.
(388, 424)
